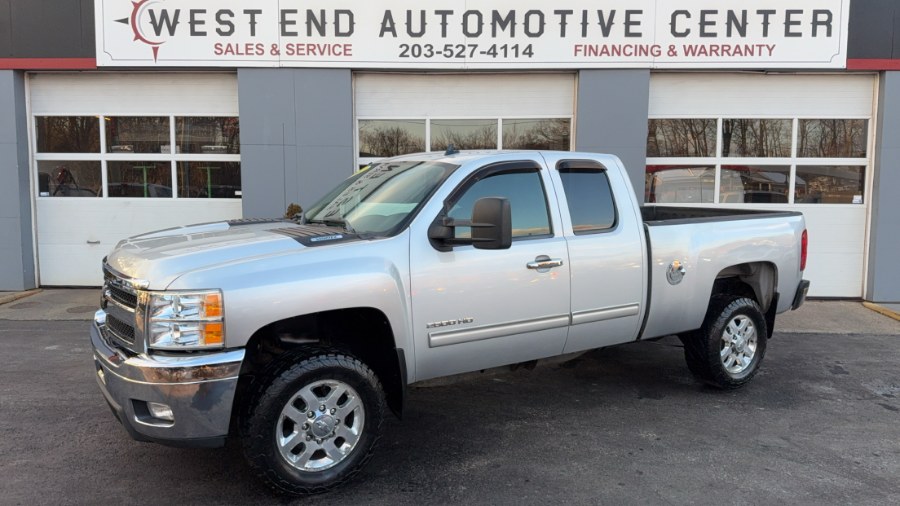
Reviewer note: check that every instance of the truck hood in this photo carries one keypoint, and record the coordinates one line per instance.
(158, 258)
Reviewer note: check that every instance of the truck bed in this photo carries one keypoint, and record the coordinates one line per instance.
(705, 242)
(654, 215)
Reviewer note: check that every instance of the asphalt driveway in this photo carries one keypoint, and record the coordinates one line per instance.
(626, 425)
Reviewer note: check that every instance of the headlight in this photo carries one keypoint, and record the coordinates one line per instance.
(185, 320)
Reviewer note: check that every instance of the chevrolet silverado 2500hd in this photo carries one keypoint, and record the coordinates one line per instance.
(297, 335)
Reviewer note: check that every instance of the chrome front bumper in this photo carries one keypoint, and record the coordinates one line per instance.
(199, 389)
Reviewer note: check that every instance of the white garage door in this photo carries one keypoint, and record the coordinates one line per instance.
(105, 168)
(408, 113)
(792, 142)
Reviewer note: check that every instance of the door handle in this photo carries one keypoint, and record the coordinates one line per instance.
(93, 242)
(543, 263)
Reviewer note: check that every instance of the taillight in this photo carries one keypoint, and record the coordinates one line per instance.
(804, 246)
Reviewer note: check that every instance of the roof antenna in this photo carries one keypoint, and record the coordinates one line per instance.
(451, 150)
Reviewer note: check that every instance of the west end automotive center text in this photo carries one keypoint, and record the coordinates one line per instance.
(459, 34)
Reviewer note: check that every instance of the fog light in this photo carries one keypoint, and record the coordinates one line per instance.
(161, 411)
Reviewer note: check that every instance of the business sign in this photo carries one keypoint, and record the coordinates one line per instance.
(473, 34)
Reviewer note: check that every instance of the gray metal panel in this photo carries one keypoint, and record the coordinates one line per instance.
(296, 136)
(47, 29)
(895, 33)
(884, 270)
(612, 118)
(324, 101)
(9, 188)
(262, 180)
(11, 275)
(16, 248)
(292, 177)
(266, 101)
(5, 29)
(873, 24)
(321, 169)
(9, 126)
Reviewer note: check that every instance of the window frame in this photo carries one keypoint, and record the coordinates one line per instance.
(497, 169)
(600, 168)
(363, 161)
(104, 156)
(793, 160)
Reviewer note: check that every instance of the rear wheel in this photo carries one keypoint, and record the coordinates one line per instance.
(314, 423)
(728, 349)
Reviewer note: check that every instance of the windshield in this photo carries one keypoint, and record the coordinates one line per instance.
(378, 200)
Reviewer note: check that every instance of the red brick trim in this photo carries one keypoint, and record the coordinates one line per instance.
(873, 64)
(48, 63)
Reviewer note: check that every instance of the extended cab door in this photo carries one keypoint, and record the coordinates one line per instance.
(606, 251)
(474, 309)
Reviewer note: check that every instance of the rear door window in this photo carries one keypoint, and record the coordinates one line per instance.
(589, 196)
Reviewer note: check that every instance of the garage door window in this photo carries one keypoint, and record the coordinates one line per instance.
(139, 134)
(757, 160)
(382, 138)
(671, 184)
(551, 134)
(67, 134)
(463, 134)
(207, 135)
(387, 138)
(832, 138)
(138, 156)
(828, 184)
(142, 178)
(756, 138)
(682, 137)
(69, 178)
(755, 184)
(209, 180)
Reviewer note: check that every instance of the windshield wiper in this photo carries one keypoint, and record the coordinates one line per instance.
(335, 222)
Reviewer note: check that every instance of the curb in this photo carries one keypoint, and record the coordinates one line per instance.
(5, 299)
(882, 310)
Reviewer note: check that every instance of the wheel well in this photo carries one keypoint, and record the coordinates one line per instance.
(362, 332)
(756, 280)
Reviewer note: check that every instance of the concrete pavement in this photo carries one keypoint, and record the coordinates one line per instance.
(50, 304)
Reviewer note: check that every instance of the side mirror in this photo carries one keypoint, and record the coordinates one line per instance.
(491, 227)
(491, 224)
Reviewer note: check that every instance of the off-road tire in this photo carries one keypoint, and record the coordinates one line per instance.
(704, 348)
(278, 385)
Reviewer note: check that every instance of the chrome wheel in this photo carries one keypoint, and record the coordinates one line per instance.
(739, 343)
(320, 425)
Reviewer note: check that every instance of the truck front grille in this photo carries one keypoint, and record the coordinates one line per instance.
(119, 295)
(120, 301)
(120, 329)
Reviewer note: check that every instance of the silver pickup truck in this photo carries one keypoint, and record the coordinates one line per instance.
(296, 336)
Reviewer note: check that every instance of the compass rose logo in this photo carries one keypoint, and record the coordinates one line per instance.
(139, 11)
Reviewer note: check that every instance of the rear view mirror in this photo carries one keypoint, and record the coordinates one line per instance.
(491, 227)
(491, 223)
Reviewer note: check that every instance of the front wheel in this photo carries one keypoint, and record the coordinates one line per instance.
(314, 423)
(727, 350)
